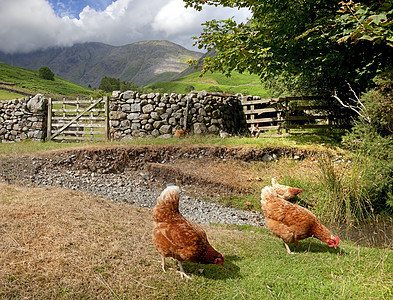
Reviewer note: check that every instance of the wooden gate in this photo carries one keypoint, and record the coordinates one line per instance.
(78, 120)
(295, 113)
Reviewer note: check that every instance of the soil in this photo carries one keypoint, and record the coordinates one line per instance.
(211, 169)
(138, 174)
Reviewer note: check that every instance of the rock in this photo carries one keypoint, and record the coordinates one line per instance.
(37, 103)
(165, 129)
(147, 109)
(267, 157)
(199, 128)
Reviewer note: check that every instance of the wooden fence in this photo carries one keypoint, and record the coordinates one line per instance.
(295, 113)
(82, 120)
(78, 120)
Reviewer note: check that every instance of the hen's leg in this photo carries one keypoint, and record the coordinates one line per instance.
(163, 263)
(182, 273)
(288, 249)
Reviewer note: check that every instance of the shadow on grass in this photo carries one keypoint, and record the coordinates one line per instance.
(315, 247)
(228, 271)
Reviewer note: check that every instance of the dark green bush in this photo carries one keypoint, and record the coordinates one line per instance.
(46, 73)
(373, 139)
(189, 88)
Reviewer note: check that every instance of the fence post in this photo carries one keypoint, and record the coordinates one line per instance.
(287, 113)
(107, 129)
(49, 122)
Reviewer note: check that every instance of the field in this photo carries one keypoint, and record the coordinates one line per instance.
(27, 81)
(65, 244)
(245, 84)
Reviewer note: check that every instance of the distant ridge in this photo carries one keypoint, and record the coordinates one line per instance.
(85, 64)
(192, 69)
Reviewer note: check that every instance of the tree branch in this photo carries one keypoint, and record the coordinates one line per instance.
(360, 109)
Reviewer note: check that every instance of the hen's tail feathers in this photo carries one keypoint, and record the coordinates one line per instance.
(169, 196)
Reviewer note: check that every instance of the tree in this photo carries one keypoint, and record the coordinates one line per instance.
(299, 43)
(46, 73)
(109, 84)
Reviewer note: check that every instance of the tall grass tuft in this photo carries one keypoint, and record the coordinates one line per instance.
(344, 195)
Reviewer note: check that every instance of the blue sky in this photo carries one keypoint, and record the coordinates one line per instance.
(28, 25)
(74, 7)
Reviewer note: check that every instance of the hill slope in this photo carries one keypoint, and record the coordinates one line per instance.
(87, 63)
(27, 82)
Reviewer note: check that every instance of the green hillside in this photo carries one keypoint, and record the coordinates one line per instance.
(18, 82)
(215, 82)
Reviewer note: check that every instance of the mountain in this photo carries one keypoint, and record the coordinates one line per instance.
(193, 69)
(85, 64)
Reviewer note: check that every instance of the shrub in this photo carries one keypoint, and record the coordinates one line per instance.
(189, 88)
(214, 88)
(344, 195)
(46, 73)
(373, 140)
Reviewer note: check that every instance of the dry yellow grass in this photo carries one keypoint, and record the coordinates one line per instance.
(55, 242)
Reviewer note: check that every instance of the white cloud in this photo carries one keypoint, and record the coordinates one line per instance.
(27, 25)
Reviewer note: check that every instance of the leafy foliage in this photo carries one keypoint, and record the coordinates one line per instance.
(109, 84)
(295, 42)
(46, 73)
(373, 22)
(374, 140)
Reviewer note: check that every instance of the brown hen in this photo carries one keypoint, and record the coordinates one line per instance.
(175, 236)
(285, 191)
(291, 222)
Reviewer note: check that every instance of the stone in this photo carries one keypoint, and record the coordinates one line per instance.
(267, 157)
(157, 124)
(165, 136)
(133, 116)
(126, 138)
(165, 129)
(135, 126)
(117, 115)
(144, 117)
(125, 124)
(172, 121)
(114, 123)
(127, 95)
(213, 129)
(148, 127)
(147, 109)
(199, 128)
(136, 107)
(116, 94)
(155, 133)
(155, 116)
(37, 103)
(126, 107)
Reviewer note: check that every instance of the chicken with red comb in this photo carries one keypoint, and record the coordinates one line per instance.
(291, 222)
(175, 236)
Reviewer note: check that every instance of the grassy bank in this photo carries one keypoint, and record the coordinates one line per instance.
(28, 81)
(69, 245)
(245, 84)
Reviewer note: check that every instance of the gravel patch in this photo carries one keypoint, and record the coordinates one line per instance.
(130, 186)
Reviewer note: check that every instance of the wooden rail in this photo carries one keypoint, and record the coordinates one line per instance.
(294, 113)
(78, 120)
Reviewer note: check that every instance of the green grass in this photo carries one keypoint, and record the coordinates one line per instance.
(283, 141)
(245, 84)
(5, 95)
(106, 252)
(28, 81)
(258, 267)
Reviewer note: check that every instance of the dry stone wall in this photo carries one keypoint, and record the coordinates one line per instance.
(159, 115)
(22, 119)
(135, 115)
